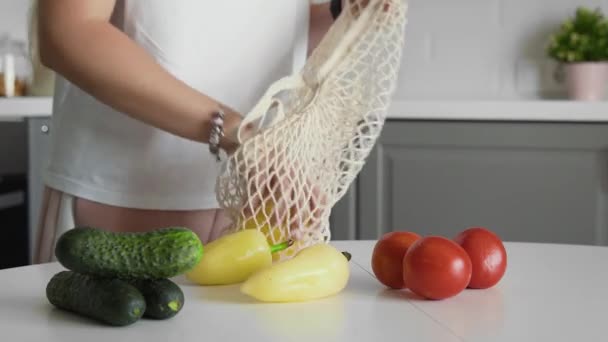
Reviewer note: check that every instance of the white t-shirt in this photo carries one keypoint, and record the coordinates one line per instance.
(230, 50)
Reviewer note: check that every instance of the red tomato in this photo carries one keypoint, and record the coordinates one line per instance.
(435, 267)
(488, 256)
(387, 257)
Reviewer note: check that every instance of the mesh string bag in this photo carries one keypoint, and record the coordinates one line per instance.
(313, 130)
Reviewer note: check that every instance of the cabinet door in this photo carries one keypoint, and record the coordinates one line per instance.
(38, 150)
(343, 220)
(533, 182)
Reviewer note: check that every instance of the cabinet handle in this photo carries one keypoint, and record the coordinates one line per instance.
(44, 129)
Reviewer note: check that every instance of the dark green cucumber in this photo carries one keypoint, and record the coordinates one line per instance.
(159, 254)
(111, 301)
(164, 298)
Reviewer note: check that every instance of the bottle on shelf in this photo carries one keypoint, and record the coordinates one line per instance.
(15, 67)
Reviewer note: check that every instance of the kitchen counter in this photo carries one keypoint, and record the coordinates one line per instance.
(500, 110)
(535, 301)
(18, 108)
(495, 110)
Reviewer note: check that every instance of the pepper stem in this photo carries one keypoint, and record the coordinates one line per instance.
(280, 246)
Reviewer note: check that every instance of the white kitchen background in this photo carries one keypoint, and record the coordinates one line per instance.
(465, 50)
(471, 49)
(13, 21)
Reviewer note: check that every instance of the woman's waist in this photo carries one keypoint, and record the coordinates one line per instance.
(117, 218)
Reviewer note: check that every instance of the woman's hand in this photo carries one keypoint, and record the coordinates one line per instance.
(281, 188)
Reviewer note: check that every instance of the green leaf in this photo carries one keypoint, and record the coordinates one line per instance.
(583, 37)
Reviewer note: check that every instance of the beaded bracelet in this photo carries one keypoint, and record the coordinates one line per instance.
(217, 132)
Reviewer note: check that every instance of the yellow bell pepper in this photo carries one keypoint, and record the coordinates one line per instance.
(315, 272)
(273, 234)
(260, 222)
(233, 258)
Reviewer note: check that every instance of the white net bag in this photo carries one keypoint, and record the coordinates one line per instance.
(315, 129)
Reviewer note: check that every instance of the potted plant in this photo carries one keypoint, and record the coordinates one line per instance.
(581, 48)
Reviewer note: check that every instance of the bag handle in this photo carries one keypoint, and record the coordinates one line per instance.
(296, 80)
(360, 24)
(268, 100)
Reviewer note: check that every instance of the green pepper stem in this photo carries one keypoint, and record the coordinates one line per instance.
(280, 246)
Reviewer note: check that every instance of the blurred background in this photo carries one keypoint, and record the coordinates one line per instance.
(499, 120)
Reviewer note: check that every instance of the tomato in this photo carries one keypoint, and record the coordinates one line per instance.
(435, 267)
(487, 253)
(387, 257)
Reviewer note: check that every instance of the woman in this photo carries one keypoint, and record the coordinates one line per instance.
(141, 88)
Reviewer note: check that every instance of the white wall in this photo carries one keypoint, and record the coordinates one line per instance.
(13, 17)
(454, 48)
(482, 48)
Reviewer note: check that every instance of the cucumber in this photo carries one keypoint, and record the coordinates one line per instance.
(164, 298)
(111, 301)
(163, 253)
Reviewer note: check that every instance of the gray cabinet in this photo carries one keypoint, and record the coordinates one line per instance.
(38, 150)
(344, 216)
(534, 182)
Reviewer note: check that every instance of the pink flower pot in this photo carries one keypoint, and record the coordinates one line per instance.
(586, 81)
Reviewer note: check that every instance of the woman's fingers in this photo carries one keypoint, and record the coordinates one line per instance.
(297, 204)
(318, 203)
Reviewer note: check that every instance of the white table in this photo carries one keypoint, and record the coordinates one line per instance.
(549, 293)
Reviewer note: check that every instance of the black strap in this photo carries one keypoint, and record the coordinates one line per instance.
(336, 8)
